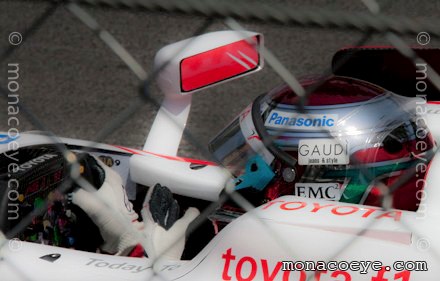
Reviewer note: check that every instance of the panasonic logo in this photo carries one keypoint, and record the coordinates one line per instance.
(34, 162)
(290, 120)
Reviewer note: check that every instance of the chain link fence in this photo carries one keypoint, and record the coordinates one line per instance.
(117, 65)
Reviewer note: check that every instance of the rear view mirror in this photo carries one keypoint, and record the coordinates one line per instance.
(191, 65)
(196, 63)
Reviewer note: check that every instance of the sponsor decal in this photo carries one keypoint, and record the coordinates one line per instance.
(35, 162)
(170, 267)
(329, 191)
(278, 119)
(248, 268)
(337, 210)
(120, 266)
(107, 160)
(323, 152)
(5, 138)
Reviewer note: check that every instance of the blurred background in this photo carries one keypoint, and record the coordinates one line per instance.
(74, 84)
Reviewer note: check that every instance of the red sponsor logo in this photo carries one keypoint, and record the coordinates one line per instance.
(248, 268)
(238, 269)
(337, 210)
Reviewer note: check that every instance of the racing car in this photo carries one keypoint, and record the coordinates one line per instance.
(288, 236)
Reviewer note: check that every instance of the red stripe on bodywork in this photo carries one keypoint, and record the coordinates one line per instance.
(174, 158)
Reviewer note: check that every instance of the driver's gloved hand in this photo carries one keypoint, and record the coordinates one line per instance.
(164, 230)
(108, 207)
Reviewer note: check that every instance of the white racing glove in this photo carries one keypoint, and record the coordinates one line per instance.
(164, 231)
(108, 207)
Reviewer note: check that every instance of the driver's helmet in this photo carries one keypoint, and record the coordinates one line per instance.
(349, 141)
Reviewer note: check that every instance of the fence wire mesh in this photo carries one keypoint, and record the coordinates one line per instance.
(366, 24)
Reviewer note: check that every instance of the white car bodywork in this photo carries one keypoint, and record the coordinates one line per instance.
(253, 246)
